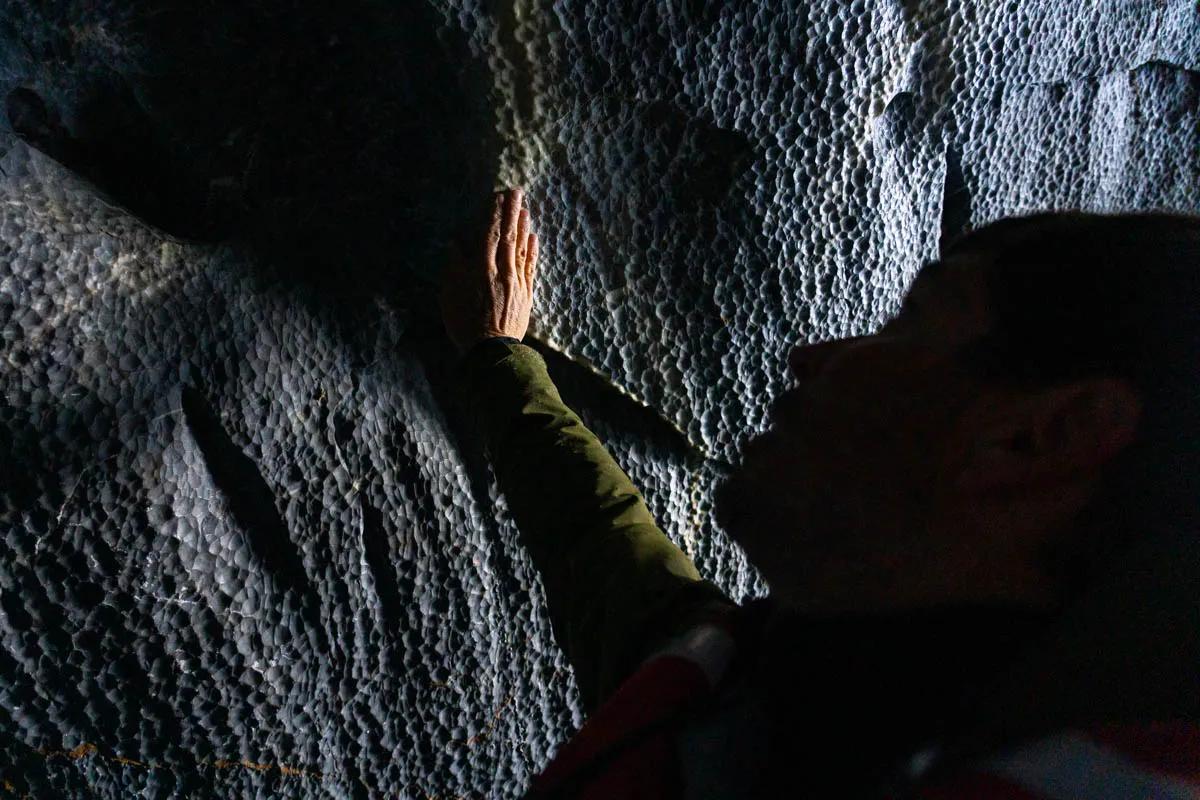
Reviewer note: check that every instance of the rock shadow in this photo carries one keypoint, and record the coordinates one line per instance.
(344, 142)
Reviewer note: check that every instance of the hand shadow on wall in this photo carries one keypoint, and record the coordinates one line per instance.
(343, 142)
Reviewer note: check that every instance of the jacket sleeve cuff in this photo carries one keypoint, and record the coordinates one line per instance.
(496, 377)
(484, 342)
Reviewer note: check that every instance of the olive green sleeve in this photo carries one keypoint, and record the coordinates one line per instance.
(615, 584)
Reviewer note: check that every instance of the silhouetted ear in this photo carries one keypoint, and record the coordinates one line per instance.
(1047, 436)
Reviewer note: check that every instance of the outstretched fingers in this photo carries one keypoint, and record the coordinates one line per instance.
(491, 245)
(512, 225)
(523, 224)
(531, 260)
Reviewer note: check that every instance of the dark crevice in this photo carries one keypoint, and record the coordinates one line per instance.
(250, 499)
(379, 564)
(956, 201)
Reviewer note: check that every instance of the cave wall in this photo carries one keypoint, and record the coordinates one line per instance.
(249, 545)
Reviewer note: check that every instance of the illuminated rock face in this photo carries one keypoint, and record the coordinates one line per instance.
(248, 545)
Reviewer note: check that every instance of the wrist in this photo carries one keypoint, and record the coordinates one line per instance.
(478, 343)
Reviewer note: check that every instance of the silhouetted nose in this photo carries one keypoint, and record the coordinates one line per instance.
(807, 360)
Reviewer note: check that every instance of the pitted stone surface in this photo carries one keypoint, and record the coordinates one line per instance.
(249, 546)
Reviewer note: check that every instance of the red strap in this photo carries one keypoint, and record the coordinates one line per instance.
(649, 771)
(649, 696)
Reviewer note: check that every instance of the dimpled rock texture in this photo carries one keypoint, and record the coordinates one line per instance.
(249, 543)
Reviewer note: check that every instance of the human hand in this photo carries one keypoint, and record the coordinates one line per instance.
(488, 291)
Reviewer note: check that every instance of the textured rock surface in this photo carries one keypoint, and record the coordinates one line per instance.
(248, 546)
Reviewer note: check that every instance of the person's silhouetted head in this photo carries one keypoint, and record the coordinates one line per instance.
(1031, 407)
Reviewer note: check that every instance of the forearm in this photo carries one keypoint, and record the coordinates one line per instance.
(610, 574)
